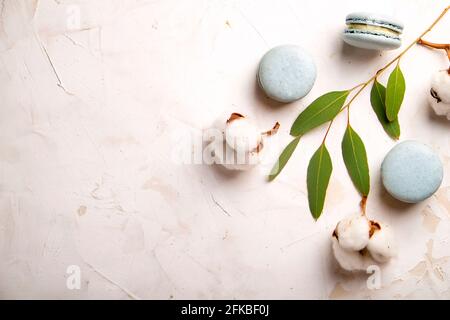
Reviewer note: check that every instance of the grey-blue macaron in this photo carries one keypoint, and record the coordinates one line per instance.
(412, 172)
(286, 73)
(373, 31)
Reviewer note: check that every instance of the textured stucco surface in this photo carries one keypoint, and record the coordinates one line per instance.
(90, 116)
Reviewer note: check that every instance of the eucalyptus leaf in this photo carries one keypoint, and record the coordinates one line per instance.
(355, 158)
(395, 92)
(284, 158)
(321, 110)
(377, 99)
(318, 176)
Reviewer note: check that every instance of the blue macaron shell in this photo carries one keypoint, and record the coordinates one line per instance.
(411, 172)
(375, 19)
(371, 40)
(287, 73)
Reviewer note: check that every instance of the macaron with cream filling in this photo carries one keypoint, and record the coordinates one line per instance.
(373, 31)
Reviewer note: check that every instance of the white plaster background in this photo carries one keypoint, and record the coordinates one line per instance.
(86, 170)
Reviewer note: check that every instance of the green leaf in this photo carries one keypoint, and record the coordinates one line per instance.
(395, 92)
(322, 110)
(377, 99)
(355, 159)
(319, 173)
(283, 159)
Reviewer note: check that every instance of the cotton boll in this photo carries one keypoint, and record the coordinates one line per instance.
(242, 135)
(382, 243)
(358, 243)
(439, 97)
(441, 84)
(253, 160)
(353, 232)
(239, 145)
(350, 260)
(230, 159)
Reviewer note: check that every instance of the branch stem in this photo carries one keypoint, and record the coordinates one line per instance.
(328, 130)
(363, 205)
(439, 46)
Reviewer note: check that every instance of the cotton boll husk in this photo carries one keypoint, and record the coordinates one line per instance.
(353, 232)
(350, 260)
(382, 245)
(439, 97)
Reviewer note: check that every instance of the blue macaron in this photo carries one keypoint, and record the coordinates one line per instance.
(286, 73)
(373, 31)
(411, 172)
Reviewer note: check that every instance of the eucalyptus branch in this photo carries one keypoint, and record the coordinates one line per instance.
(386, 102)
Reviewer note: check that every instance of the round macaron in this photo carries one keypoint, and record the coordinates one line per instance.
(411, 172)
(286, 73)
(373, 31)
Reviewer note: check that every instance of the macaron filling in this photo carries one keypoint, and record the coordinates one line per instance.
(375, 30)
(374, 22)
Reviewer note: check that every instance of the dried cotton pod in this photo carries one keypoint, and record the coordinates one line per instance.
(381, 243)
(353, 232)
(350, 260)
(439, 97)
(241, 145)
(358, 243)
